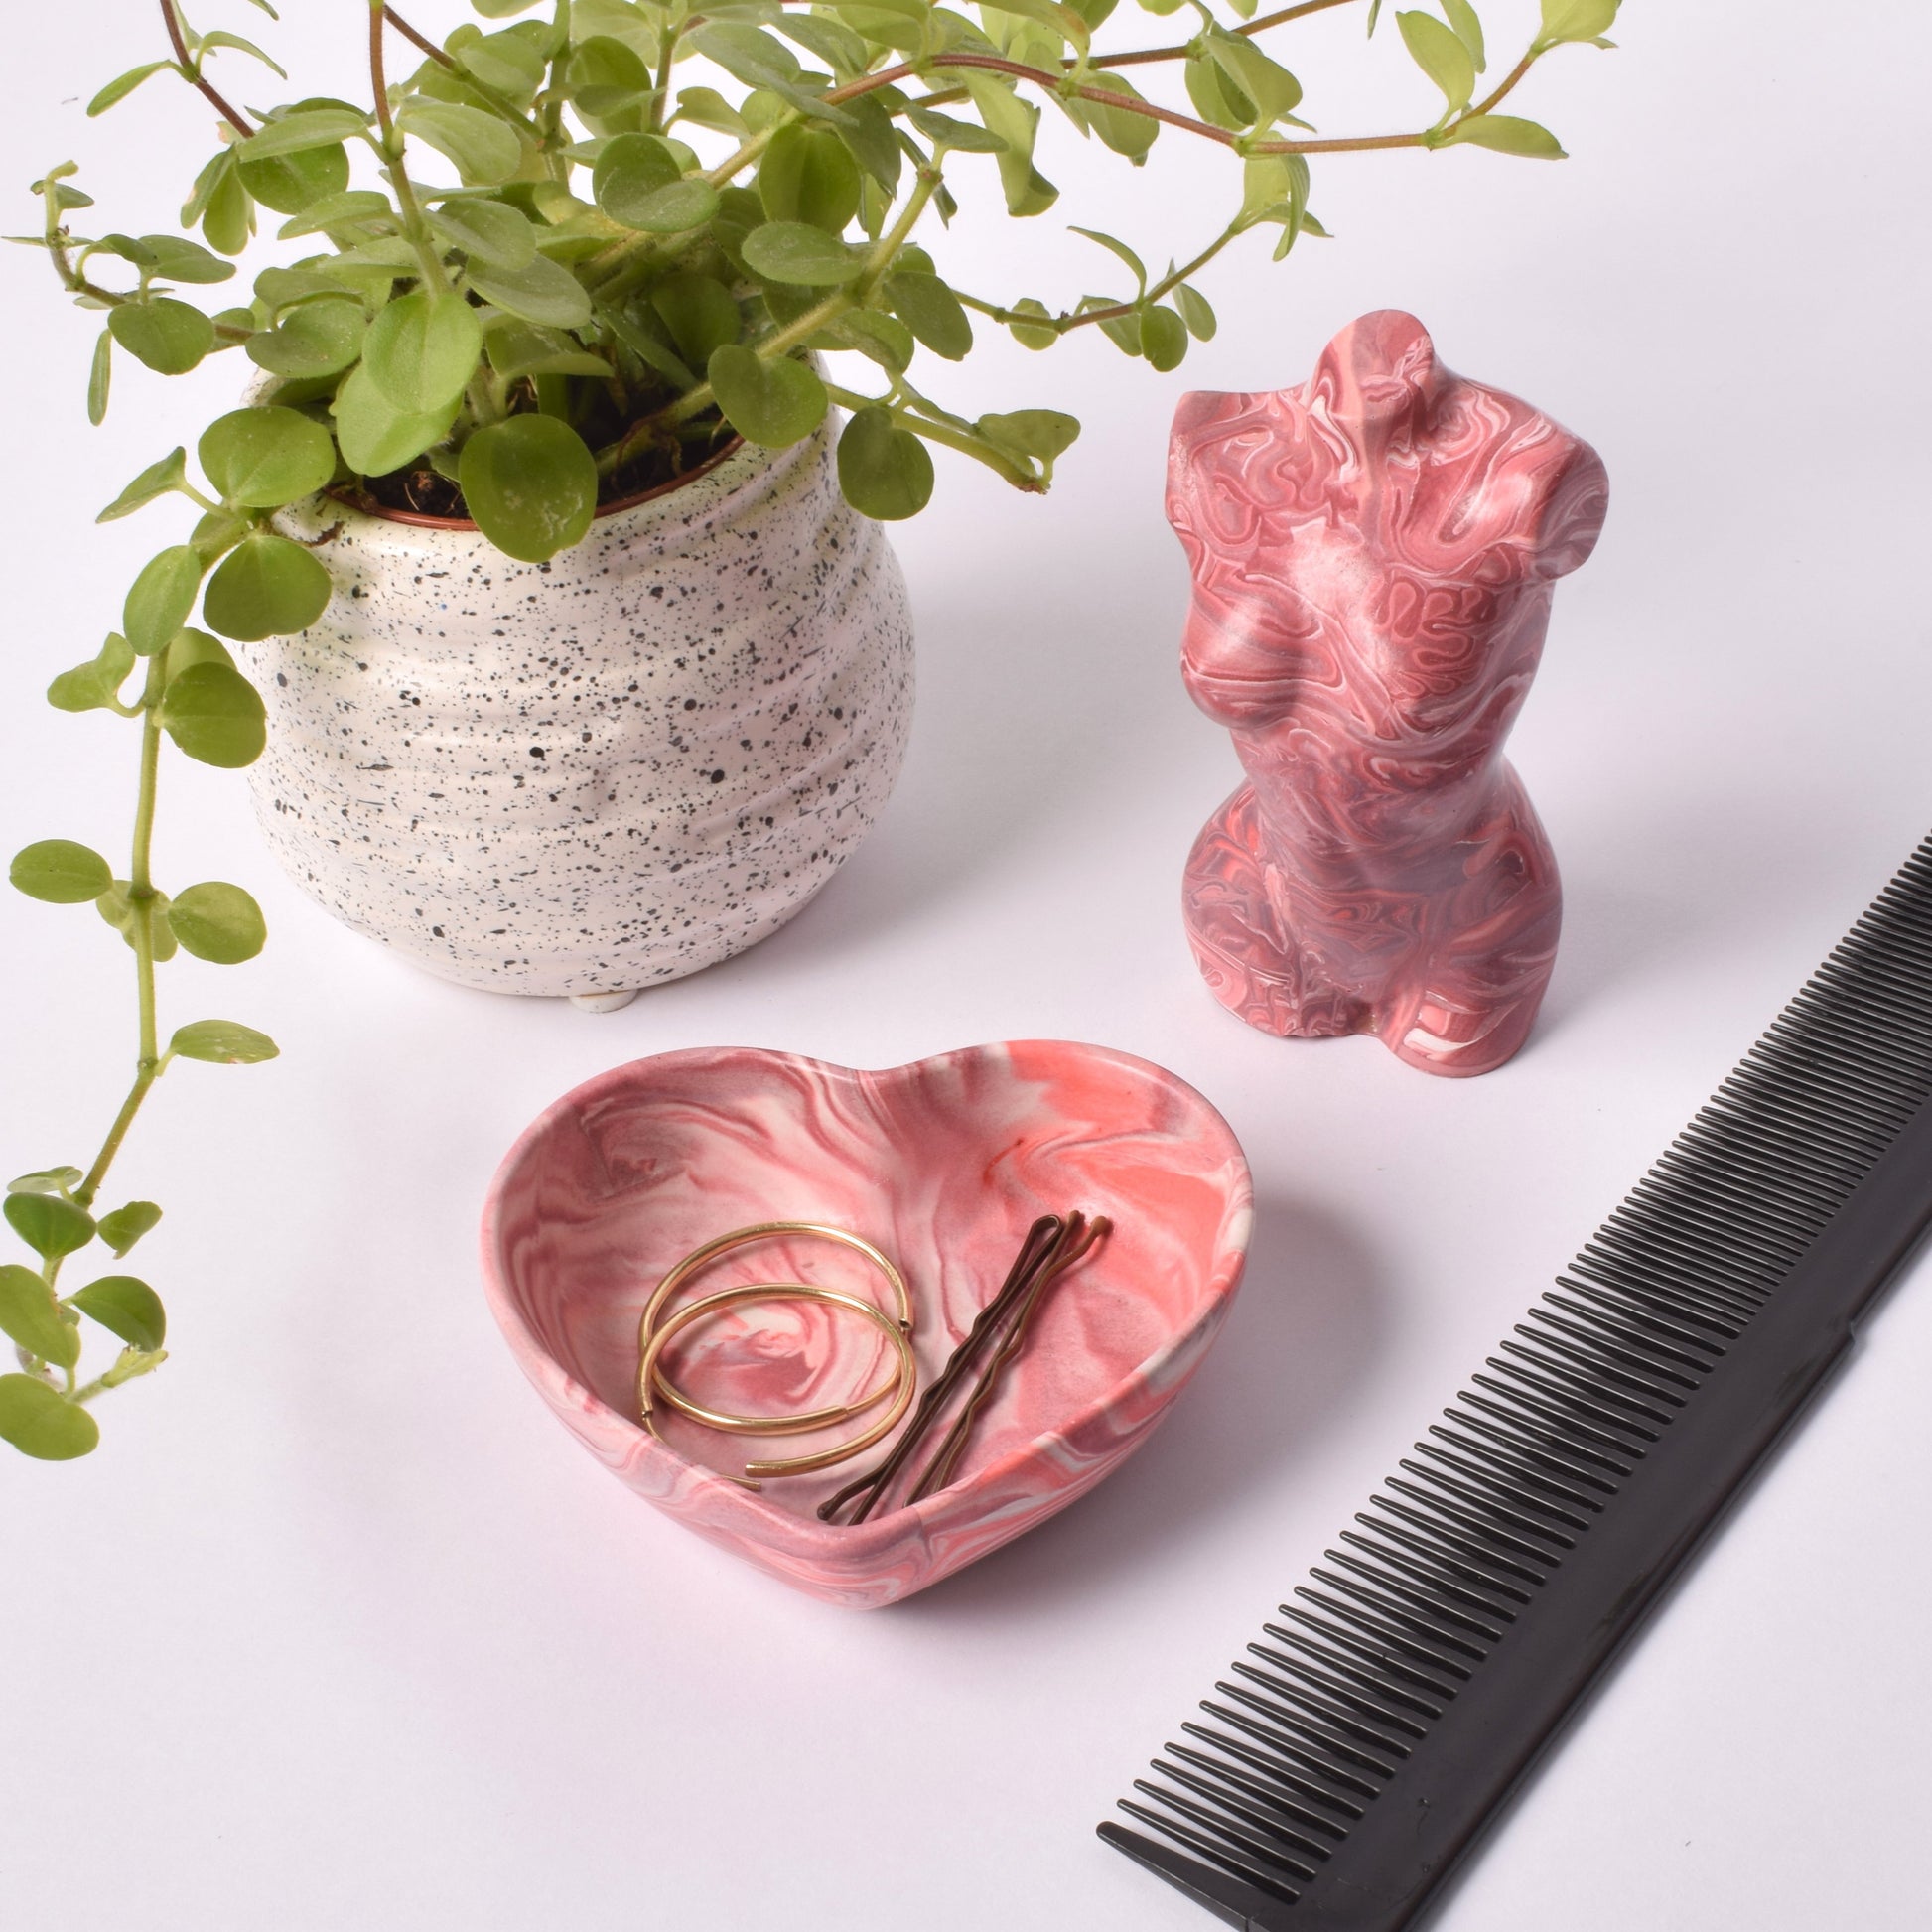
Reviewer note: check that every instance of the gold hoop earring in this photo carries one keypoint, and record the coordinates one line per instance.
(700, 1258)
(906, 1376)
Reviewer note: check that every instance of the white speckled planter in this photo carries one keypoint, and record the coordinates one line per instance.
(584, 777)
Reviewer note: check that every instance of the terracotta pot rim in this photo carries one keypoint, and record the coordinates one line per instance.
(424, 520)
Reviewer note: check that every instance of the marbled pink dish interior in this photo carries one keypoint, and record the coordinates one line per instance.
(1373, 556)
(944, 1165)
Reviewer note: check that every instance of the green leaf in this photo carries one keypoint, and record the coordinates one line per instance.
(174, 258)
(100, 373)
(156, 481)
(950, 132)
(124, 85)
(59, 872)
(376, 436)
(530, 484)
(318, 339)
(262, 458)
(190, 648)
(1029, 335)
(1507, 135)
(125, 1306)
(1120, 251)
(30, 1317)
(223, 1043)
(265, 587)
(606, 78)
(1017, 122)
(221, 38)
(291, 183)
(518, 348)
(932, 311)
(774, 403)
(318, 127)
(883, 338)
(631, 171)
(1122, 130)
(508, 63)
(487, 231)
(96, 684)
(126, 1224)
(217, 922)
(885, 471)
(117, 907)
(707, 107)
(1163, 337)
(354, 207)
(228, 219)
(1196, 312)
(808, 175)
(484, 151)
(1216, 99)
(797, 253)
(1441, 55)
(872, 141)
(1467, 28)
(843, 51)
(159, 599)
(49, 1180)
(215, 715)
(421, 350)
(1269, 89)
(1576, 20)
(540, 292)
(48, 1224)
(1043, 434)
(700, 314)
(43, 1424)
(168, 336)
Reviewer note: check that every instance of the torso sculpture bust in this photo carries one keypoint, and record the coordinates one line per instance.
(1373, 556)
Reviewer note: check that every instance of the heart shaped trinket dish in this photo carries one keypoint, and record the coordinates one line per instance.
(943, 1163)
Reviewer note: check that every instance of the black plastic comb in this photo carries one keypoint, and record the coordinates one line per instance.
(1355, 1754)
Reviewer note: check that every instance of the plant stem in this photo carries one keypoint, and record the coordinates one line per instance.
(147, 1065)
(239, 122)
(437, 55)
(1079, 319)
(954, 439)
(1248, 28)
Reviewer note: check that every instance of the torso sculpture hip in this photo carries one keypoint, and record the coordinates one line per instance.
(1373, 556)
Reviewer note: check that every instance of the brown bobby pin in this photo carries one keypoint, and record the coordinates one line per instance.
(1078, 1240)
(1038, 1244)
(1052, 1245)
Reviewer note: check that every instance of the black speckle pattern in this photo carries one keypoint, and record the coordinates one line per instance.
(601, 772)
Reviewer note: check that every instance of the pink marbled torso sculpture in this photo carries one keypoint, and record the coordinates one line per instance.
(1373, 556)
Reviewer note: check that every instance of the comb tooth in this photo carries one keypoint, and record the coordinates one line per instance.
(1283, 1756)
(1527, 1486)
(1211, 1768)
(1533, 1446)
(1392, 1659)
(1604, 1339)
(1404, 1640)
(1562, 1384)
(1230, 1899)
(1859, 1116)
(1631, 1338)
(1429, 1575)
(1844, 1129)
(1466, 1531)
(1218, 1852)
(1636, 1328)
(1332, 1723)
(1733, 1180)
(1606, 1378)
(1857, 1076)
(1278, 1777)
(1777, 1139)
(1727, 1274)
(1482, 1491)
(1290, 1728)
(1228, 1816)
(1449, 1553)
(1346, 1660)
(1342, 1695)
(1516, 1397)
(1407, 1607)
(1676, 1198)
(1725, 1308)
(1888, 989)
(1710, 1325)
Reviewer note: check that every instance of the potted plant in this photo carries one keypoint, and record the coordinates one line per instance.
(537, 526)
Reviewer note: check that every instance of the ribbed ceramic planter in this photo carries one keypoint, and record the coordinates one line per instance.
(584, 777)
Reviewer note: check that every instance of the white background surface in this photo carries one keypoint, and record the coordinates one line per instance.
(338, 1627)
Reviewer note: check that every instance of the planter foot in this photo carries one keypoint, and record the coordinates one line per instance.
(602, 1002)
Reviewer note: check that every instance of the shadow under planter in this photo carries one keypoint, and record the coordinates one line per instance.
(584, 777)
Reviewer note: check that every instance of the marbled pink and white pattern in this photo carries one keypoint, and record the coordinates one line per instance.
(1373, 557)
(943, 1163)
